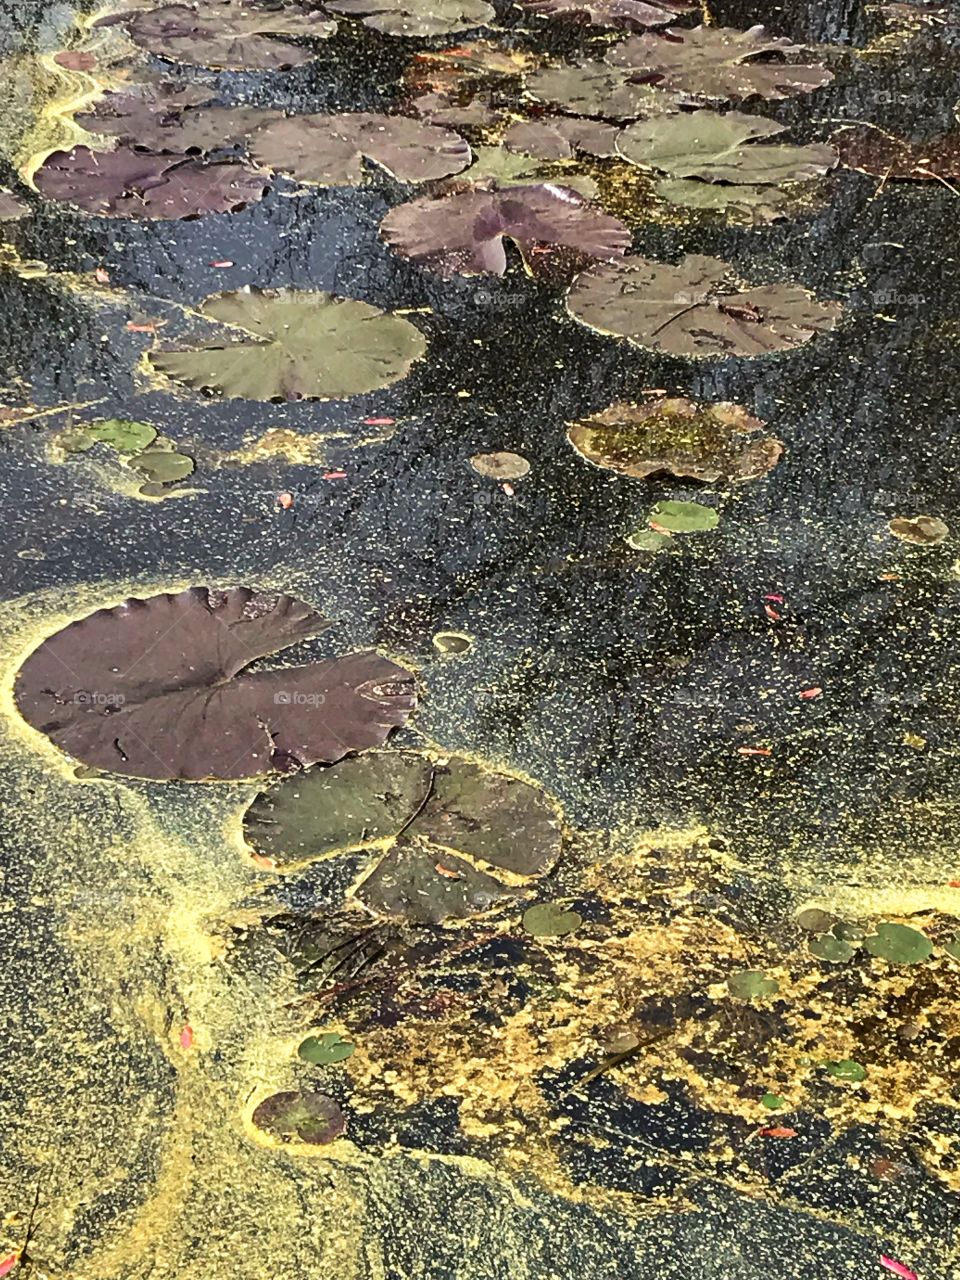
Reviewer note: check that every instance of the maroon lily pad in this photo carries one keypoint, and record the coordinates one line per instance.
(330, 150)
(157, 688)
(311, 1117)
(444, 109)
(142, 184)
(463, 234)
(598, 89)
(614, 13)
(416, 17)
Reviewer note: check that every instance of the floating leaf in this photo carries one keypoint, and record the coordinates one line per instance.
(705, 442)
(773, 1102)
(684, 517)
(694, 309)
(470, 65)
(922, 531)
(952, 947)
(233, 35)
(330, 150)
(847, 1069)
(311, 1117)
(500, 466)
(157, 688)
(550, 920)
(722, 148)
(163, 466)
(427, 825)
(463, 234)
(614, 13)
(559, 137)
(899, 944)
(165, 119)
(752, 985)
(596, 89)
(720, 63)
(119, 434)
(833, 950)
(647, 540)
(439, 108)
(416, 17)
(325, 1050)
(816, 920)
(296, 345)
(452, 642)
(751, 203)
(11, 208)
(126, 183)
(871, 150)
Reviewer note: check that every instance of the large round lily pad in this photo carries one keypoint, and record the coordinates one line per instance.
(126, 183)
(330, 150)
(294, 345)
(448, 839)
(614, 13)
(156, 689)
(722, 148)
(720, 63)
(705, 442)
(233, 35)
(696, 308)
(416, 17)
(596, 89)
(463, 234)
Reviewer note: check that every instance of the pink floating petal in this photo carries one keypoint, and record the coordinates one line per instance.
(897, 1268)
(8, 1263)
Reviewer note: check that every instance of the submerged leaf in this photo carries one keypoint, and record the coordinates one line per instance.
(693, 309)
(684, 517)
(871, 150)
(922, 531)
(416, 17)
(597, 89)
(550, 920)
(463, 234)
(752, 985)
(311, 1117)
(330, 150)
(833, 950)
(11, 208)
(296, 345)
(614, 13)
(899, 944)
(157, 688)
(751, 203)
(705, 442)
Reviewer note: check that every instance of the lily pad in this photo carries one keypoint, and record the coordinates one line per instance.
(816, 920)
(126, 183)
(158, 688)
(442, 109)
(756, 204)
(722, 148)
(559, 137)
(647, 540)
(330, 150)
(416, 17)
(614, 13)
(464, 233)
(921, 531)
(752, 985)
(163, 466)
(292, 345)
(899, 944)
(696, 309)
(500, 466)
(325, 1050)
(833, 950)
(311, 1117)
(232, 35)
(550, 920)
(705, 442)
(684, 517)
(773, 1102)
(720, 63)
(496, 167)
(846, 1069)
(119, 434)
(597, 89)
(873, 151)
(170, 119)
(952, 947)
(11, 208)
(446, 840)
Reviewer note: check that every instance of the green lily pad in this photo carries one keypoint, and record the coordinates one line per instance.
(122, 435)
(325, 1050)
(162, 466)
(848, 932)
(684, 517)
(647, 540)
(550, 920)
(773, 1102)
(311, 1117)
(833, 950)
(750, 984)
(816, 920)
(899, 944)
(847, 1069)
(952, 948)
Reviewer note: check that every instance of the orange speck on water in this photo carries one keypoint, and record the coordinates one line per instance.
(133, 327)
(446, 872)
(8, 1263)
(777, 599)
(815, 692)
(102, 275)
(379, 422)
(186, 1036)
(508, 489)
(754, 751)
(659, 528)
(222, 262)
(334, 475)
(778, 1132)
(771, 613)
(285, 500)
(267, 864)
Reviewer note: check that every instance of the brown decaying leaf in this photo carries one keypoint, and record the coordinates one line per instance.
(703, 442)
(598, 89)
(156, 688)
(165, 117)
(922, 531)
(500, 466)
(873, 151)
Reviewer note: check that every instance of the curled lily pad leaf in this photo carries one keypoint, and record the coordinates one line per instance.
(754, 204)
(550, 920)
(720, 63)
(325, 1050)
(416, 17)
(752, 985)
(311, 1117)
(722, 148)
(163, 466)
(705, 442)
(873, 151)
(596, 89)
(560, 137)
(846, 1069)
(684, 517)
(921, 531)
(295, 345)
(614, 13)
(694, 308)
(156, 689)
(140, 184)
(233, 35)
(447, 840)
(833, 950)
(500, 466)
(151, 116)
(329, 150)
(899, 944)
(11, 208)
(463, 234)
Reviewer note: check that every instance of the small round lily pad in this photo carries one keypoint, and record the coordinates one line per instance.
(899, 944)
(750, 984)
(846, 1069)
(311, 1117)
(163, 466)
(325, 1050)
(449, 642)
(833, 950)
(550, 920)
(773, 1102)
(815, 920)
(684, 517)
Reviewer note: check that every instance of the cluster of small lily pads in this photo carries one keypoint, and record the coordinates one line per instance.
(139, 446)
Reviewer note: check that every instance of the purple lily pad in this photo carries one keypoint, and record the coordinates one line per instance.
(177, 120)
(614, 13)
(558, 138)
(11, 208)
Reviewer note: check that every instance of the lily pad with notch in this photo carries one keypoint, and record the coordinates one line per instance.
(311, 1117)
(597, 89)
(163, 466)
(325, 1050)
(415, 18)
(158, 688)
(560, 137)
(899, 944)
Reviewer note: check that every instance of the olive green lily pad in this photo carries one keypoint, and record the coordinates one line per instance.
(921, 531)
(550, 920)
(291, 345)
(750, 984)
(684, 517)
(773, 1102)
(899, 944)
(847, 1069)
(816, 920)
(756, 204)
(498, 167)
(833, 950)
(705, 442)
(445, 840)
(163, 466)
(311, 1117)
(124, 436)
(325, 1050)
